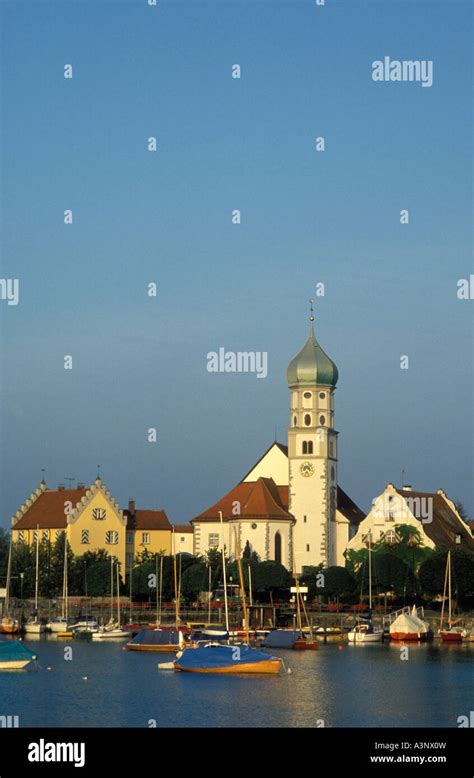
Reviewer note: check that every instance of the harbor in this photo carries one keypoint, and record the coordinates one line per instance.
(102, 685)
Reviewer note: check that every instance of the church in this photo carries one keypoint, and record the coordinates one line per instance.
(289, 506)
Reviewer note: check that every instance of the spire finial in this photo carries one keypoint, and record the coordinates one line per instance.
(311, 315)
(42, 479)
(98, 473)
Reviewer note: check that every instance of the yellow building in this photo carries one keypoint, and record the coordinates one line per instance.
(94, 520)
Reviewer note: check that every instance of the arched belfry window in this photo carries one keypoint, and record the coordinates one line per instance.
(295, 421)
(277, 547)
(307, 419)
(307, 446)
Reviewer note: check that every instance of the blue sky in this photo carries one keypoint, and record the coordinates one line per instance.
(165, 217)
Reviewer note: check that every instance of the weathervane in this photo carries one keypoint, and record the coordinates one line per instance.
(311, 318)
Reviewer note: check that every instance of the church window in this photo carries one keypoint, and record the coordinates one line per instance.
(322, 420)
(85, 536)
(295, 421)
(254, 526)
(214, 540)
(304, 519)
(307, 446)
(277, 547)
(307, 547)
(145, 538)
(322, 395)
(307, 420)
(111, 537)
(307, 395)
(333, 474)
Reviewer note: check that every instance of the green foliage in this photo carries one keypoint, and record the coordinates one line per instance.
(389, 574)
(338, 582)
(432, 573)
(194, 580)
(271, 575)
(4, 547)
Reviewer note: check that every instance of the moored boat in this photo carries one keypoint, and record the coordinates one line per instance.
(227, 659)
(15, 656)
(365, 633)
(8, 625)
(409, 626)
(453, 633)
(156, 640)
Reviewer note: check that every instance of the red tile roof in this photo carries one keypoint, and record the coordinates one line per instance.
(147, 519)
(445, 524)
(261, 499)
(183, 528)
(47, 511)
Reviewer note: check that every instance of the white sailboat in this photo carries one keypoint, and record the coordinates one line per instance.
(33, 626)
(454, 633)
(112, 631)
(61, 623)
(366, 632)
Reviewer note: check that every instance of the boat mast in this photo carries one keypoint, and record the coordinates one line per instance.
(161, 589)
(209, 595)
(226, 606)
(250, 584)
(370, 574)
(9, 572)
(242, 586)
(118, 594)
(449, 580)
(111, 588)
(444, 592)
(37, 565)
(175, 585)
(64, 607)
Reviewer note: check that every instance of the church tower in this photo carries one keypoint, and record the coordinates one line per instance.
(312, 454)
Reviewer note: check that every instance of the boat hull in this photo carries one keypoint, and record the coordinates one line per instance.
(306, 645)
(21, 664)
(140, 647)
(408, 636)
(112, 635)
(270, 666)
(375, 637)
(9, 629)
(35, 629)
(451, 637)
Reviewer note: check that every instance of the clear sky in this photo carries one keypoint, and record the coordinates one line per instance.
(165, 217)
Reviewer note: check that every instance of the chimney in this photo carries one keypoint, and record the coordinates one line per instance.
(407, 488)
(131, 507)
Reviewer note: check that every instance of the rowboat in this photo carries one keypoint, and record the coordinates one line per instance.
(15, 656)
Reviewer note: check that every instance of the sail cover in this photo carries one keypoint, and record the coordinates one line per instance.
(14, 651)
(156, 637)
(214, 657)
(280, 638)
(406, 624)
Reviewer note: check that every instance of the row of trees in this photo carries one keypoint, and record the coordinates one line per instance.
(406, 569)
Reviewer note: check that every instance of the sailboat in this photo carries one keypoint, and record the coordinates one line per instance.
(8, 625)
(112, 630)
(228, 659)
(366, 632)
(453, 634)
(33, 626)
(408, 626)
(302, 642)
(60, 624)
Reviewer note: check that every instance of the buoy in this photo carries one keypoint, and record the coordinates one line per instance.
(49, 668)
(84, 677)
(289, 671)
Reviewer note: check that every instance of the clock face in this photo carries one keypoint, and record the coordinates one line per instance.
(306, 469)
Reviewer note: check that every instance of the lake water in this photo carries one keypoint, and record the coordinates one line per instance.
(368, 686)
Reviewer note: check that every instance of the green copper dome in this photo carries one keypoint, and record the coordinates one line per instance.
(311, 365)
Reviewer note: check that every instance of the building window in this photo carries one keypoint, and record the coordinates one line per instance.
(57, 534)
(129, 559)
(277, 547)
(85, 536)
(307, 547)
(129, 538)
(182, 539)
(322, 395)
(111, 537)
(333, 474)
(21, 536)
(145, 538)
(322, 420)
(458, 538)
(35, 535)
(307, 446)
(214, 540)
(304, 519)
(307, 419)
(307, 395)
(99, 514)
(45, 535)
(391, 516)
(295, 421)
(391, 536)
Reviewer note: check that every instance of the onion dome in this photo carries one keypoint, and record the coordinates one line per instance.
(312, 366)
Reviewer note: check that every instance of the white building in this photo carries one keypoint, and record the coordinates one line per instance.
(289, 507)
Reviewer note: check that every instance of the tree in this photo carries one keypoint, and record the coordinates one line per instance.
(432, 574)
(4, 548)
(338, 582)
(271, 575)
(194, 580)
